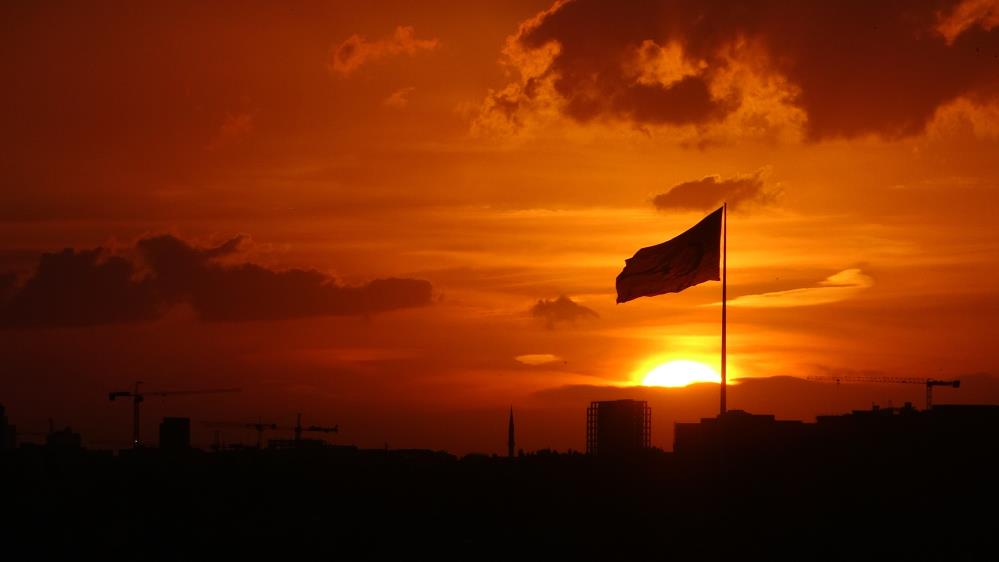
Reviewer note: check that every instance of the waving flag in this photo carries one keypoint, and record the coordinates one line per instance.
(687, 260)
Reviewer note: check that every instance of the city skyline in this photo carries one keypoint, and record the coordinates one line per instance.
(404, 219)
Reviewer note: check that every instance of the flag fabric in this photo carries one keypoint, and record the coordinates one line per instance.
(687, 260)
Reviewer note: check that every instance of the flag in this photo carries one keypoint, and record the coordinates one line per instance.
(687, 260)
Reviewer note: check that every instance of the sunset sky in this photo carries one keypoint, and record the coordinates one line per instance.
(405, 217)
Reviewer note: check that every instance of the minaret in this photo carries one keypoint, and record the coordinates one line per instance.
(510, 443)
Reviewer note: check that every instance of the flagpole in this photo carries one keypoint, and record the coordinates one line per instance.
(724, 350)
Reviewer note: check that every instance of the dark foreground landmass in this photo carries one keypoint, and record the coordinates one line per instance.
(929, 496)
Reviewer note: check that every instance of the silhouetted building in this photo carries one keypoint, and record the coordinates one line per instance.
(739, 432)
(175, 434)
(65, 439)
(878, 432)
(618, 427)
(510, 442)
(8, 433)
(295, 443)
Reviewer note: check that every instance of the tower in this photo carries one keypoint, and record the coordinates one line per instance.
(510, 442)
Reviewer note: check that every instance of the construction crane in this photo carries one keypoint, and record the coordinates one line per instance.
(929, 383)
(261, 427)
(138, 397)
(298, 429)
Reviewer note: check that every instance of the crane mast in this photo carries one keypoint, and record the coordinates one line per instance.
(138, 397)
(261, 427)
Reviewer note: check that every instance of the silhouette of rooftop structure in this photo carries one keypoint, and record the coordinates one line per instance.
(736, 431)
(64, 439)
(878, 431)
(175, 434)
(8, 432)
(618, 427)
(295, 443)
(511, 442)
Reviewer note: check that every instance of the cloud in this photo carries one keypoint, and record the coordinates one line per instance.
(357, 51)
(561, 310)
(89, 287)
(81, 288)
(840, 286)
(967, 14)
(964, 116)
(711, 191)
(750, 70)
(399, 98)
(534, 359)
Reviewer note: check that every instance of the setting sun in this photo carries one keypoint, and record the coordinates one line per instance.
(680, 373)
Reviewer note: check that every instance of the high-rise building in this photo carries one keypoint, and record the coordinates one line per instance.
(175, 434)
(618, 427)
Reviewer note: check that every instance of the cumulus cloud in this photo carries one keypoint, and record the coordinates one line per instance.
(88, 287)
(838, 287)
(711, 191)
(962, 116)
(357, 51)
(561, 310)
(753, 68)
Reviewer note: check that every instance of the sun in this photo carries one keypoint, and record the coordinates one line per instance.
(680, 373)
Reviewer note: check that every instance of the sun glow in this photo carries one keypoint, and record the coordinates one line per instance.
(680, 373)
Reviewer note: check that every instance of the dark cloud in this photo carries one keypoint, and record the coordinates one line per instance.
(81, 288)
(710, 192)
(854, 67)
(88, 287)
(562, 309)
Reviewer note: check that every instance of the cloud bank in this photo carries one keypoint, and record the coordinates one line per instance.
(90, 287)
(753, 67)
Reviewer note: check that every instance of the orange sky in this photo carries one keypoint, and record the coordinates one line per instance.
(486, 156)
